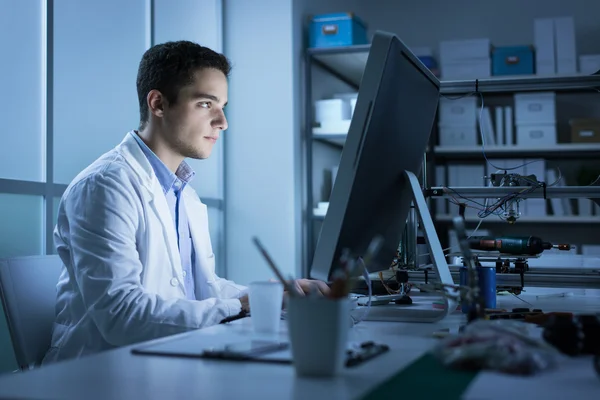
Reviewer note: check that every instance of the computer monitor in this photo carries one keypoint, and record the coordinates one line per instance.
(389, 133)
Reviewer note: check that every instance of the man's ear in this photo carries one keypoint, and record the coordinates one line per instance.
(156, 102)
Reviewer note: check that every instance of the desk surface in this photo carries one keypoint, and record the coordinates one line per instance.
(119, 374)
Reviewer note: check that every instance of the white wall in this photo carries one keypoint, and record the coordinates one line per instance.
(260, 186)
(263, 147)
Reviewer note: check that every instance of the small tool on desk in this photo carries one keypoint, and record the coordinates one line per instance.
(240, 315)
(517, 245)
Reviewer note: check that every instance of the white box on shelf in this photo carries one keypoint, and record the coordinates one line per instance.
(536, 135)
(331, 110)
(508, 126)
(461, 50)
(457, 135)
(458, 111)
(543, 34)
(566, 55)
(467, 69)
(589, 63)
(535, 108)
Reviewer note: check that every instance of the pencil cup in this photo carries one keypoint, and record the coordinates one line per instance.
(265, 306)
(318, 331)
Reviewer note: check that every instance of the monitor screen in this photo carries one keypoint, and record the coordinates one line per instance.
(389, 133)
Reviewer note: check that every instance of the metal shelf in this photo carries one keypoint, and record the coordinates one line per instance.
(336, 139)
(348, 64)
(550, 219)
(562, 150)
(525, 83)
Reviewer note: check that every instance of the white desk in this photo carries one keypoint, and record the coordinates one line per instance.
(119, 374)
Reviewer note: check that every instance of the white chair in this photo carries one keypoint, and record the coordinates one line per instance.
(28, 295)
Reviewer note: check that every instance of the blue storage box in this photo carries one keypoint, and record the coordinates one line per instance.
(513, 60)
(339, 29)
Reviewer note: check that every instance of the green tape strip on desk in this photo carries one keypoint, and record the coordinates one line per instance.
(426, 377)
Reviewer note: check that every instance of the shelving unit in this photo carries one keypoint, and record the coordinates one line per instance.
(347, 64)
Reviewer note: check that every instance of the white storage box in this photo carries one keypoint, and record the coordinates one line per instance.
(564, 36)
(457, 135)
(475, 69)
(535, 108)
(589, 63)
(536, 135)
(545, 59)
(458, 112)
(462, 50)
(331, 110)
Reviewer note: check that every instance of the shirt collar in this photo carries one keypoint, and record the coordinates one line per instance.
(167, 179)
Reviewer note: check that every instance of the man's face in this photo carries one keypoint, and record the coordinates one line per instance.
(193, 124)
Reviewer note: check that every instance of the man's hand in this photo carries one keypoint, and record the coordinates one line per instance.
(245, 303)
(308, 286)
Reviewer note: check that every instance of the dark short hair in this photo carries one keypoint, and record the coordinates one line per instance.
(170, 66)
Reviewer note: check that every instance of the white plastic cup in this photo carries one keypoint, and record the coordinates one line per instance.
(265, 306)
(318, 331)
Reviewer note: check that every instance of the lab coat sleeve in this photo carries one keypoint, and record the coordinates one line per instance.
(102, 215)
(231, 290)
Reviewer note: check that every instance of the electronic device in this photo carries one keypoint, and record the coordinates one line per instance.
(526, 245)
(383, 153)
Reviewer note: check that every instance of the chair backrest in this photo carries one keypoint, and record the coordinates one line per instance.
(28, 295)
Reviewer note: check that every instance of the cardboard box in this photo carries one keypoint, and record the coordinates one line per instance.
(585, 130)
(338, 29)
(513, 60)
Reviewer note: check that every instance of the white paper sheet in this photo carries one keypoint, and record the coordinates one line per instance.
(575, 378)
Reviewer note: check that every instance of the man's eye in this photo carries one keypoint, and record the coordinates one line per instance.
(204, 104)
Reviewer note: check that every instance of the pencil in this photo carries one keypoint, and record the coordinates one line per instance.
(271, 264)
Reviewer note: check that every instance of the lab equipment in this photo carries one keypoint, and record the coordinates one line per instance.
(527, 245)
(574, 335)
(504, 346)
(473, 301)
(486, 280)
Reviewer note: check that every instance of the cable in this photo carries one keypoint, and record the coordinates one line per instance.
(481, 133)
(370, 291)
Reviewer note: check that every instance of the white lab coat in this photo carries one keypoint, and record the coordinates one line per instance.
(122, 280)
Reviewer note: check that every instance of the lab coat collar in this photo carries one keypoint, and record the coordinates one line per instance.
(138, 161)
(134, 155)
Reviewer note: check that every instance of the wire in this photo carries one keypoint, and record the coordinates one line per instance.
(357, 321)
(481, 132)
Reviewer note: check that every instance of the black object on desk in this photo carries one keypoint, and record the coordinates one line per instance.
(254, 351)
(242, 314)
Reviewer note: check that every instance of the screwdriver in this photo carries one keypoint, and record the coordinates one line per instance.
(523, 245)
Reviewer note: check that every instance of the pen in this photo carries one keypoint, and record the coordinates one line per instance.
(263, 251)
(242, 314)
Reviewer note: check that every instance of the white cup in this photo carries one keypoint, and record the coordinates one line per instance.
(318, 330)
(265, 306)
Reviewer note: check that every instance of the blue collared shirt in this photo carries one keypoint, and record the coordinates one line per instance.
(173, 185)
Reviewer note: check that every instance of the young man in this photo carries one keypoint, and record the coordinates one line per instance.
(132, 233)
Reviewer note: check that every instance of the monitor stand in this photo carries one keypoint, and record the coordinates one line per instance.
(420, 311)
